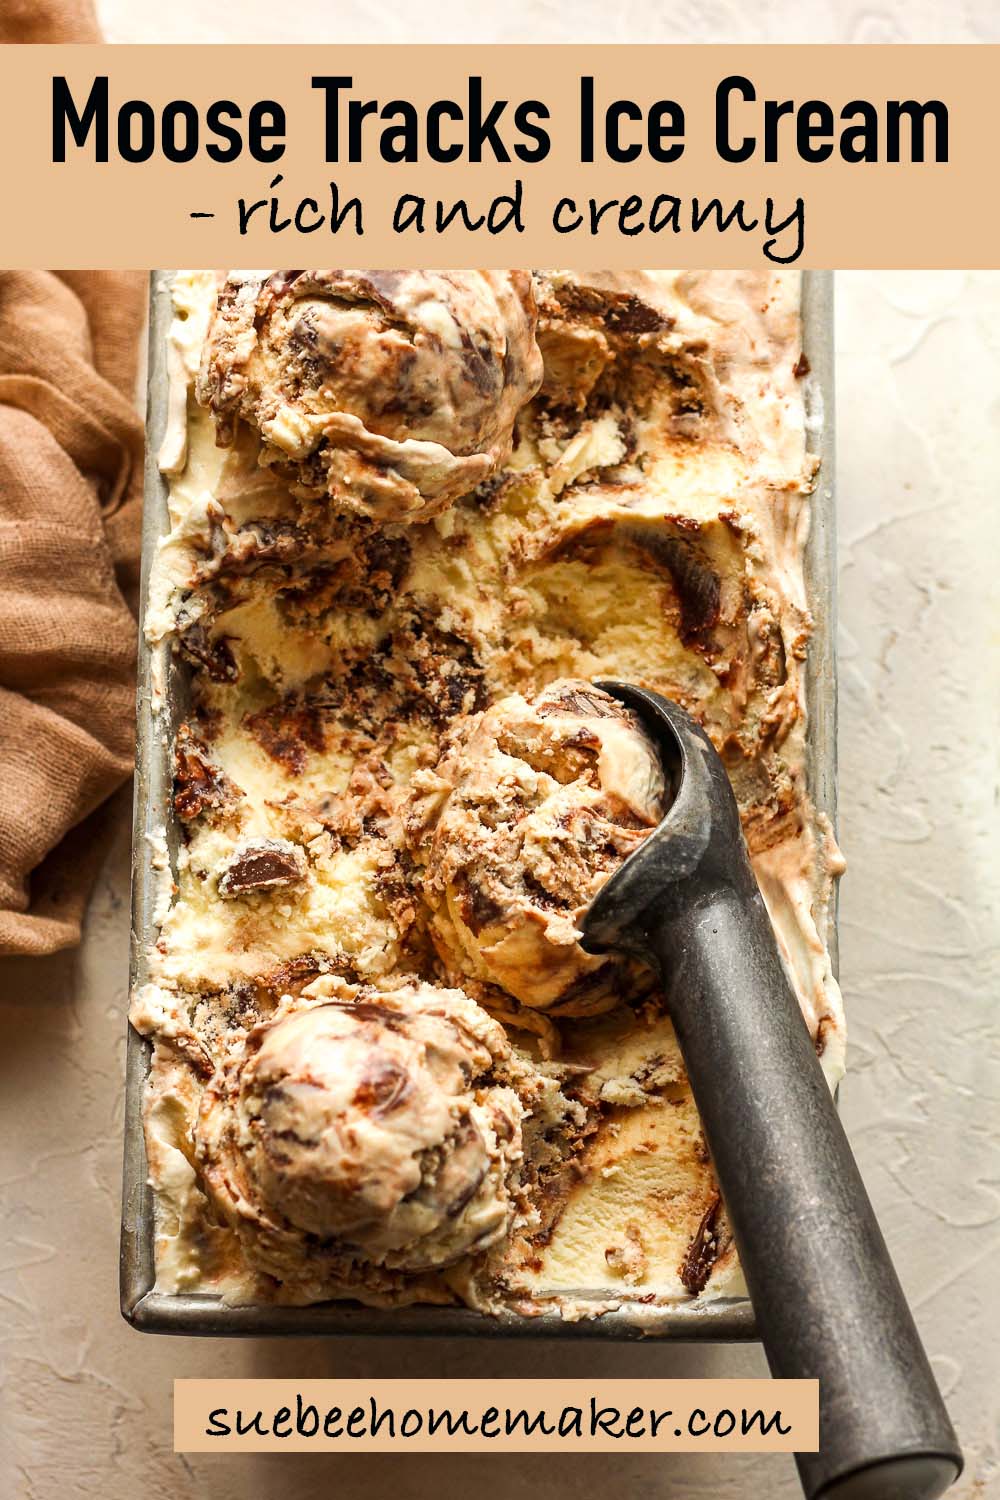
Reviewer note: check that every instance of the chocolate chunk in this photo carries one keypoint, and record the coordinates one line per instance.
(596, 705)
(478, 907)
(199, 784)
(620, 312)
(212, 653)
(489, 494)
(385, 562)
(262, 866)
(265, 541)
(703, 1251)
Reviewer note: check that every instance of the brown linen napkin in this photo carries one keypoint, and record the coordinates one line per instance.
(70, 472)
(48, 21)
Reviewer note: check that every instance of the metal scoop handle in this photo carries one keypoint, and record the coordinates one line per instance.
(826, 1298)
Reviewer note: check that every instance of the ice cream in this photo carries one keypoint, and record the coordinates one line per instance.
(370, 1129)
(391, 393)
(393, 776)
(530, 810)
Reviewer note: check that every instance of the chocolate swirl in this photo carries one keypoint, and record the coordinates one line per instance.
(391, 393)
(365, 1131)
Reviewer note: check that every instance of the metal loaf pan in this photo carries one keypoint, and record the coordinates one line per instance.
(152, 1311)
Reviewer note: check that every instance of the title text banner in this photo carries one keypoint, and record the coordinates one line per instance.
(494, 156)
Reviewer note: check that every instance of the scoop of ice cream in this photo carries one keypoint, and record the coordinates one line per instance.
(392, 392)
(531, 809)
(370, 1129)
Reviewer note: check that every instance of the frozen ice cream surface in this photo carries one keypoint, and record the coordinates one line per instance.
(531, 809)
(372, 1125)
(391, 393)
(383, 1066)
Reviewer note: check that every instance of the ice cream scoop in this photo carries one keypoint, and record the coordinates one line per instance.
(369, 1129)
(389, 392)
(530, 809)
(827, 1301)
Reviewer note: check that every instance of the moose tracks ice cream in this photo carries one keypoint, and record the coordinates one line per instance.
(367, 1130)
(390, 393)
(413, 518)
(530, 810)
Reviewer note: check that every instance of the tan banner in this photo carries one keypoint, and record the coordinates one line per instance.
(452, 156)
(520, 1416)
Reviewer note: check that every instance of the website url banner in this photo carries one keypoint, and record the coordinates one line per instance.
(520, 1416)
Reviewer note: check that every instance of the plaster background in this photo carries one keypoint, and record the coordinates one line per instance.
(85, 1402)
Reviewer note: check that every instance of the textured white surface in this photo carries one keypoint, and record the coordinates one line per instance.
(863, 21)
(85, 1403)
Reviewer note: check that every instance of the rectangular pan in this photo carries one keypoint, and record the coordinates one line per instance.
(723, 1320)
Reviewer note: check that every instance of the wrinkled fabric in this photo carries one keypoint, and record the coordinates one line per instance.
(70, 477)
